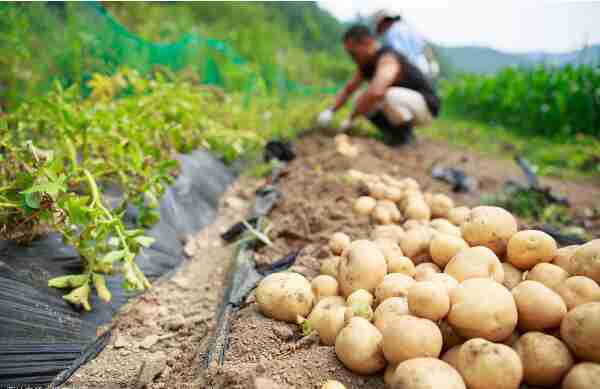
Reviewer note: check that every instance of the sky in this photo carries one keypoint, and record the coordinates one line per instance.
(508, 25)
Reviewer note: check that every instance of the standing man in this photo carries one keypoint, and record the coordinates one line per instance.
(398, 95)
(398, 34)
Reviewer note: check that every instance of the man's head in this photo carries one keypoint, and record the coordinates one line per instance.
(384, 19)
(360, 44)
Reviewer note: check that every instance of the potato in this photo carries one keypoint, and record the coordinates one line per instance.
(564, 257)
(392, 193)
(443, 247)
(362, 267)
(402, 265)
(585, 375)
(580, 329)
(341, 139)
(458, 215)
(415, 242)
(489, 226)
(377, 190)
(388, 248)
(475, 262)
(548, 274)
(364, 205)
(330, 384)
(392, 208)
(539, 307)
(425, 270)
(528, 248)
(389, 310)
(393, 285)
(417, 210)
(512, 275)
(382, 215)
(410, 337)
(388, 375)
(390, 232)
(586, 260)
(412, 224)
(324, 286)
(284, 296)
(482, 308)
(330, 266)
(358, 310)
(355, 175)
(486, 365)
(410, 183)
(429, 300)
(426, 373)
(445, 227)
(450, 337)
(360, 296)
(443, 279)
(578, 290)
(546, 360)
(358, 347)
(338, 242)
(428, 197)
(441, 205)
(451, 356)
(327, 318)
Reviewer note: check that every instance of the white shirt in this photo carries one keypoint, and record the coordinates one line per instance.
(406, 40)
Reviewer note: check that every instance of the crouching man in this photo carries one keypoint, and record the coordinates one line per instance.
(398, 97)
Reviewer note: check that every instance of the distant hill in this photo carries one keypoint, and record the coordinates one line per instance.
(477, 59)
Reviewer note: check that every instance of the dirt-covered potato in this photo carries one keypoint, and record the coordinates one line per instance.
(564, 256)
(324, 286)
(284, 296)
(426, 373)
(486, 365)
(415, 242)
(327, 318)
(494, 320)
(411, 337)
(358, 347)
(390, 232)
(539, 307)
(402, 265)
(441, 205)
(451, 356)
(425, 270)
(338, 242)
(530, 247)
(359, 297)
(362, 267)
(458, 215)
(331, 384)
(443, 247)
(329, 266)
(443, 279)
(393, 285)
(546, 360)
(578, 290)
(548, 274)
(475, 262)
(389, 310)
(429, 300)
(586, 260)
(512, 275)
(580, 329)
(445, 227)
(585, 375)
(364, 205)
(489, 226)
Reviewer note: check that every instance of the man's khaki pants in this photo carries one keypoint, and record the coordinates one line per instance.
(402, 105)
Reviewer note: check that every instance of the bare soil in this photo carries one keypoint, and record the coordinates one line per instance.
(179, 313)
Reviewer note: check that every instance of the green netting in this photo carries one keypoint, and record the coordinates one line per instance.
(86, 39)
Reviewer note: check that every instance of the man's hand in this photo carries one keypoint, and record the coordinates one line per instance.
(325, 118)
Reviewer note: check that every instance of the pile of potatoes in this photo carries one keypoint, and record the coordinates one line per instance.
(344, 147)
(463, 300)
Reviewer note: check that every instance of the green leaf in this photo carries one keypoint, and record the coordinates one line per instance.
(145, 241)
(114, 256)
(51, 188)
(69, 281)
(32, 200)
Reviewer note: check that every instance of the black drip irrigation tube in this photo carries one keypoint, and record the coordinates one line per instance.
(43, 340)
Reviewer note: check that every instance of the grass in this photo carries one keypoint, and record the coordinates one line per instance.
(576, 159)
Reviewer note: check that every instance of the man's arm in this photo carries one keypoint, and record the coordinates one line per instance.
(388, 69)
(351, 86)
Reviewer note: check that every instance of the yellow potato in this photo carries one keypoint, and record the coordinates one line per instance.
(333, 385)
(362, 267)
(451, 356)
(359, 297)
(388, 248)
(338, 242)
(382, 215)
(458, 215)
(443, 279)
(330, 266)
(489, 226)
(528, 248)
(390, 232)
(546, 360)
(578, 290)
(585, 375)
(327, 318)
(402, 265)
(564, 257)
(494, 320)
(411, 224)
(415, 242)
(284, 296)
(539, 307)
(426, 373)
(425, 270)
(324, 286)
(443, 247)
(580, 329)
(410, 337)
(392, 208)
(393, 193)
(417, 210)
(548, 274)
(389, 311)
(445, 227)
(475, 262)
(393, 285)
(358, 347)
(377, 190)
(364, 205)
(512, 275)
(429, 300)
(586, 260)
(441, 205)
